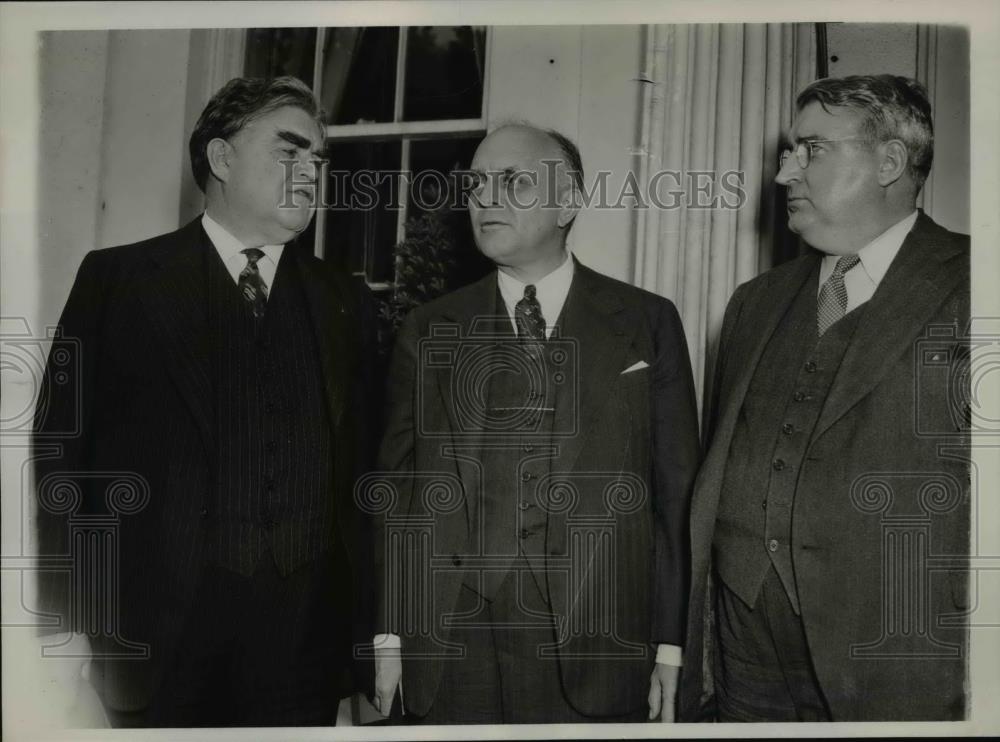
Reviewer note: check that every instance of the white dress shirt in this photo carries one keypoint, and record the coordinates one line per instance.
(862, 280)
(230, 250)
(551, 292)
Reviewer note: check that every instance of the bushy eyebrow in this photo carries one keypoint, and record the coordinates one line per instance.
(302, 143)
(507, 171)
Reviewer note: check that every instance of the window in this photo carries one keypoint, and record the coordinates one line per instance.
(398, 102)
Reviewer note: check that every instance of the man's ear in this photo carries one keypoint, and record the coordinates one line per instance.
(894, 161)
(218, 152)
(569, 203)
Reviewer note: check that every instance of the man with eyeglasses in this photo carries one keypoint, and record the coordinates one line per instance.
(540, 446)
(838, 450)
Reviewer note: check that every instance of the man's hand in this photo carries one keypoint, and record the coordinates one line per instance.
(662, 692)
(388, 674)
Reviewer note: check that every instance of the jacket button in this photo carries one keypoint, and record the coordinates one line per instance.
(524, 533)
(204, 512)
(787, 429)
(772, 545)
(799, 396)
(778, 464)
(456, 560)
(528, 448)
(810, 367)
(763, 505)
(523, 505)
(527, 476)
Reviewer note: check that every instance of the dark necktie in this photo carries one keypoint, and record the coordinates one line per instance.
(528, 316)
(252, 284)
(832, 304)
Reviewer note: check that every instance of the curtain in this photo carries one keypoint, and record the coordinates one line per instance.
(716, 99)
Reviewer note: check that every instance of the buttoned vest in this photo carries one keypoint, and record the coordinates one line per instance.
(771, 439)
(274, 452)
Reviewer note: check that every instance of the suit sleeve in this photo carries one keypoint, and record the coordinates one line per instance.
(62, 430)
(676, 453)
(396, 458)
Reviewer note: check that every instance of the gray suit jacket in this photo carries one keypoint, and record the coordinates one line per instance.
(887, 466)
(638, 429)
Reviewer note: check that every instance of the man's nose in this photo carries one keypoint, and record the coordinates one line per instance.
(789, 171)
(307, 170)
(490, 192)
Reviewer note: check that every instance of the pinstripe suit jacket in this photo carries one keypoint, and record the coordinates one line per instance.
(134, 406)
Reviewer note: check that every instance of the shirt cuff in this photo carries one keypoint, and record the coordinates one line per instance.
(669, 654)
(389, 641)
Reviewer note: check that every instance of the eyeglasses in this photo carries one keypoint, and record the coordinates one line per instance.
(804, 151)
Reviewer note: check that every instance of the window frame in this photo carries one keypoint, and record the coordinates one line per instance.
(396, 130)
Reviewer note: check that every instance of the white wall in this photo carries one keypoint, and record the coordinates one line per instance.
(580, 80)
(112, 152)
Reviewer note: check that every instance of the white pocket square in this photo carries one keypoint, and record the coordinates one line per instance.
(637, 366)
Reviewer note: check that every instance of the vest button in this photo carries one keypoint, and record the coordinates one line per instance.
(778, 464)
(523, 505)
(456, 560)
(799, 396)
(524, 533)
(204, 512)
(810, 367)
(772, 545)
(527, 476)
(269, 408)
(787, 428)
(763, 505)
(272, 446)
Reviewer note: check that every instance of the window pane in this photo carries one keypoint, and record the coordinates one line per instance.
(444, 72)
(437, 224)
(359, 74)
(361, 228)
(272, 52)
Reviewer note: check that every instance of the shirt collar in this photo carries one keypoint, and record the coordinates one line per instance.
(877, 255)
(228, 246)
(551, 291)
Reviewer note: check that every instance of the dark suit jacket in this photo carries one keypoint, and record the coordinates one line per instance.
(139, 396)
(639, 427)
(889, 414)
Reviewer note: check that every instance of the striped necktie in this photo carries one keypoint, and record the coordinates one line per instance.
(252, 284)
(832, 304)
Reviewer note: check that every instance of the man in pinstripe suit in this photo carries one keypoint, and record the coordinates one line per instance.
(219, 367)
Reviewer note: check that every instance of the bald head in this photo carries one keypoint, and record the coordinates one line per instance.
(523, 203)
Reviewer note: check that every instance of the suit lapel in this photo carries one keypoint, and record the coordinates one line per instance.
(763, 309)
(458, 325)
(176, 303)
(600, 329)
(913, 288)
(330, 322)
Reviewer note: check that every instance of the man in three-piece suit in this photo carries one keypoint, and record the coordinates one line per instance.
(217, 382)
(838, 459)
(541, 443)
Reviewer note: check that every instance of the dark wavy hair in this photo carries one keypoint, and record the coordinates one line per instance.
(236, 104)
(893, 107)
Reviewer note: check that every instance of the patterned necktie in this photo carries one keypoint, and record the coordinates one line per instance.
(252, 284)
(528, 316)
(833, 295)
